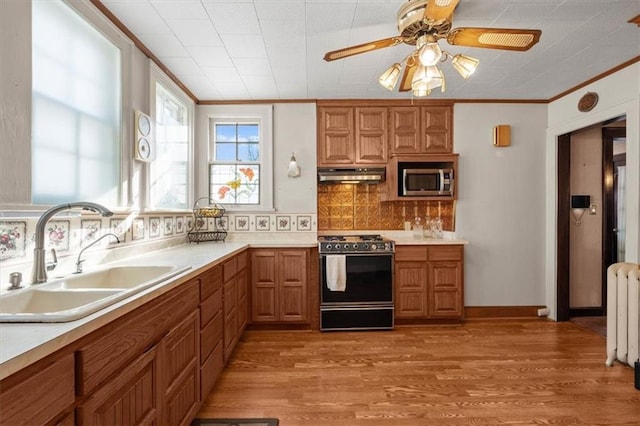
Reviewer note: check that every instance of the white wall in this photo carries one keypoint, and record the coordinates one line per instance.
(619, 94)
(500, 209)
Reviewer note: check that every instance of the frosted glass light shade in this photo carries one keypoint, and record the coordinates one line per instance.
(425, 79)
(465, 65)
(389, 78)
(430, 54)
(293, 170)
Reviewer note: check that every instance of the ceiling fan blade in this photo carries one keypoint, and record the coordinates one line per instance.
(494, 38)
(363, 48)
(407, 77)
(439, 10)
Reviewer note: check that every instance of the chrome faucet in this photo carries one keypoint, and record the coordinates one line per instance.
(79, 261)
(39, 271)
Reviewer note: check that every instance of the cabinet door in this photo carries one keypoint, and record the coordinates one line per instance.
(263, 286)
(437, 130)
(292, 279)
(181, 371)
(40, 393)
(411, 289)
(445, 289)
(335, 136)
(241, 306)
(230, 317)
(131, 398)
(371, 135)
(405, 130)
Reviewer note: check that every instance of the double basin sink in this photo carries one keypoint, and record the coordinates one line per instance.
(76, 296)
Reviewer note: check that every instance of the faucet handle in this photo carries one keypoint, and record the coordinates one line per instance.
(52, 265)
(15, 279)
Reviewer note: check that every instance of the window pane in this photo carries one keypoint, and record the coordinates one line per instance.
(248, 133)
(75, 109)
(235, 184)
(226, 133)
(248, 152)
(169, 171)
(226, 152)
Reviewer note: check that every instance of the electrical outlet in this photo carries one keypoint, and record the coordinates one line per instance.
(592, 209)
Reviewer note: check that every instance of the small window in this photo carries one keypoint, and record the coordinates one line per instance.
(234, 173)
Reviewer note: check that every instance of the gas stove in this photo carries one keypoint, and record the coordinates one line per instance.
(343, 244)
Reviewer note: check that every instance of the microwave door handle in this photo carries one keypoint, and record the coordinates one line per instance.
(441, 181)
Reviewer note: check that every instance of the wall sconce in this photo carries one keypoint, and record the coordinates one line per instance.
(294, 169)
(579, 204)
(502, 135)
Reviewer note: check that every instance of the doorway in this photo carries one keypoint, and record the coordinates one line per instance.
(591, 162)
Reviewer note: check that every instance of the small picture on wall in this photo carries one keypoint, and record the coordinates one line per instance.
(263, 223)
(242, 223)
(303, 223)
(283, 223)
(154, 227)
(57, 234)
(168, 226)
(12, 239)
(137, 230)
(180, 224)
(91, 229)
(223, 223)
(117, 226)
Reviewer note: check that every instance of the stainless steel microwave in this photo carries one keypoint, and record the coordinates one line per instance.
(424, 182)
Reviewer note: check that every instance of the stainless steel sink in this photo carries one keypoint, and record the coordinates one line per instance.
(76, 296)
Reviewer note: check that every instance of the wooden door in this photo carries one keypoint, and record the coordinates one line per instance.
(371, 135)
(405, 130)
(437, 130)
(263, 286)
(336, 136)
(292, 279)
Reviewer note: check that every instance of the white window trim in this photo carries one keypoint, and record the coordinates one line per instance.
(260, 113)
(156, 75)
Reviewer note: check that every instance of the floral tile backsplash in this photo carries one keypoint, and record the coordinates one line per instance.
(69, 235)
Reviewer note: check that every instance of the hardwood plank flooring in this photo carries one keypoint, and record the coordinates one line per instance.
(484, 372)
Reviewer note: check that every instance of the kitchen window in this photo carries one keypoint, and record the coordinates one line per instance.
(240, 171)
(76, 109)
(169, 172)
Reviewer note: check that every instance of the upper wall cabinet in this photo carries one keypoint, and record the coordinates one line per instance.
(349, 136)
(421, 130)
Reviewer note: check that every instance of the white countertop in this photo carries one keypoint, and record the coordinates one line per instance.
(22, 344)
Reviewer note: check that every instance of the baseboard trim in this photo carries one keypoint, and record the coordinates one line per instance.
(471, 312)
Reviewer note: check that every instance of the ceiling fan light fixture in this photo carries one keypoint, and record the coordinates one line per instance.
(465, 65)
(429, 50)
(425, 79)
(389, 78)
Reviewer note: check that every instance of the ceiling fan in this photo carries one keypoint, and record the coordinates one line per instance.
(422, 23)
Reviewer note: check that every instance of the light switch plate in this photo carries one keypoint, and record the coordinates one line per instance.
(593, 209)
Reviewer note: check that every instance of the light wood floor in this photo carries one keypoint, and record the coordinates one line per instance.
(486, 372)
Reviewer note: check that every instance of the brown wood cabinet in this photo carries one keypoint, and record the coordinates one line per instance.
(41, 394)
(235, 303)
(351, 136)
(211, 328)
(429, 282)
(421, 130)
(279, 286)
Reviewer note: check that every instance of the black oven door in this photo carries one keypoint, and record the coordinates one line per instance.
(369, 279)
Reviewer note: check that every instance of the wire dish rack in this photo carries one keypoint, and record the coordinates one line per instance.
(204, 209)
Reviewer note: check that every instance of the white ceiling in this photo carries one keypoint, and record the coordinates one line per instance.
(273, 49)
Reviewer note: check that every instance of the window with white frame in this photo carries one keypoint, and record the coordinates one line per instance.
(240, 173)
(76, 109)
(169, 172)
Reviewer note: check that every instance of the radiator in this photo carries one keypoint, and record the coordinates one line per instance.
(623, 317)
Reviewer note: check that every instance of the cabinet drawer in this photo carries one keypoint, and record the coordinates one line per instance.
(210, 336)
(210, 281)
(40, 396)
(210, 307)
(210, 370)
(230, 267)
(118, 343)
(411, 253)
(445, 253)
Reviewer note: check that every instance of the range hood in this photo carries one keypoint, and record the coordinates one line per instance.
(351, 175)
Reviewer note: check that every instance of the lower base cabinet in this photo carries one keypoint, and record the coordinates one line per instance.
(429, 283)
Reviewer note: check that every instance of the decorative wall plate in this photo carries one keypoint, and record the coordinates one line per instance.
(588, 102)
(144, 149)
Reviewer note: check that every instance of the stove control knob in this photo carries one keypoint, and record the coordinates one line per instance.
(366, 246)
(328, 247)
(374, 247)
(355, 246)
